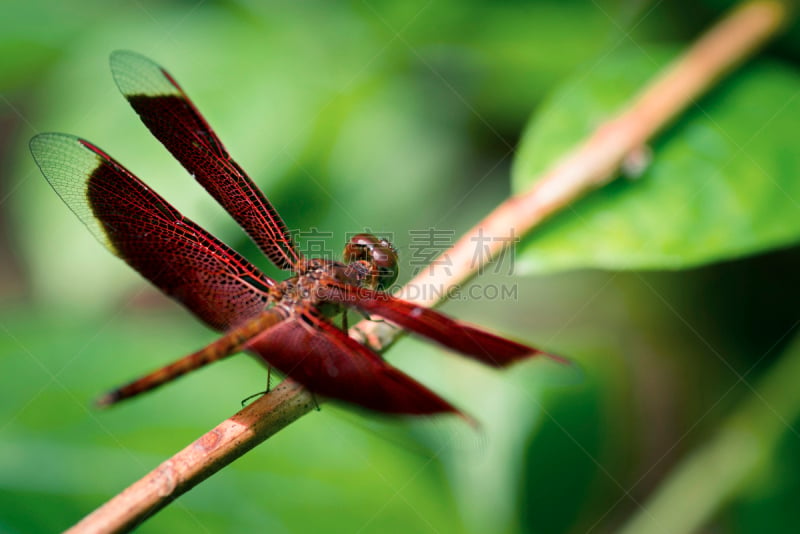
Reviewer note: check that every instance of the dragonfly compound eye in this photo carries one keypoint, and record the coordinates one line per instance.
(378, 253)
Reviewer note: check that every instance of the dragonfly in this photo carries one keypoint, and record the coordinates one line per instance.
(288, 325)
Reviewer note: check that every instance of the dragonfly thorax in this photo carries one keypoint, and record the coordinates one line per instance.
(308, 287)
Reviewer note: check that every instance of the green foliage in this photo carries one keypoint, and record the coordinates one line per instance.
(399, 116)
(722, 182)
(574, 431)
(767, 504)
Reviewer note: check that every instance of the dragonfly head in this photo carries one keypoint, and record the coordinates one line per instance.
(377, 256)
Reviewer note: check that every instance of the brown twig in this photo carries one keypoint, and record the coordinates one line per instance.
(591, 164)
(200, 460)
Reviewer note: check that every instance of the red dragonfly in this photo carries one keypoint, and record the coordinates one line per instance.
(287, 325)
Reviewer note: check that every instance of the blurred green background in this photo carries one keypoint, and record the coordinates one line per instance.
(394, 117)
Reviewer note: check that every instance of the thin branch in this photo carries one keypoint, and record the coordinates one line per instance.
(216, 449)
(591, 164)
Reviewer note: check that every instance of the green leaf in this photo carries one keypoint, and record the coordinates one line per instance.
(724, 180)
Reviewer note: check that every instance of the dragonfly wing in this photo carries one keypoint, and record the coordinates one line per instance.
(468, 340)
(328, 362)
(135, 223)
(175, 121)
(229, 344)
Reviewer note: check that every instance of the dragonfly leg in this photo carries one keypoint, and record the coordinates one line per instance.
(253, 396)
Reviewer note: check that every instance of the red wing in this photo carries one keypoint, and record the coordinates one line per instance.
(232, 342)
(173, 119)
(470, 341)
(328, 362)
(135, 223)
